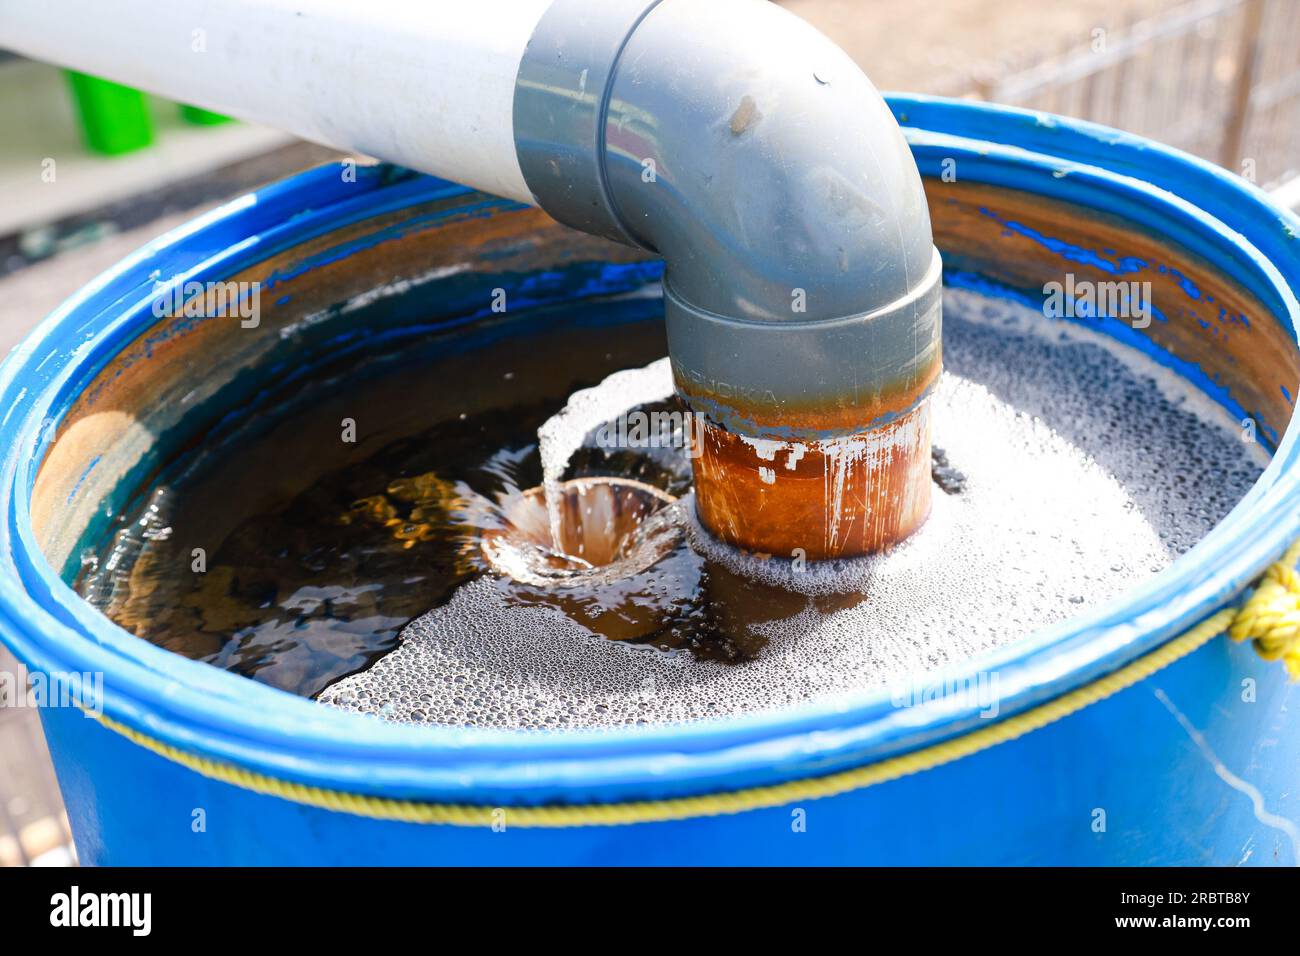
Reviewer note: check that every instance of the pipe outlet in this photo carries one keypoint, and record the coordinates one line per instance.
(801, 282)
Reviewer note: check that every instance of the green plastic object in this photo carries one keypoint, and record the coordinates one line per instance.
(114, 118)
(202, 117)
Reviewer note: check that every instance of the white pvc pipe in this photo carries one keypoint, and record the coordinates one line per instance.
(427, 84)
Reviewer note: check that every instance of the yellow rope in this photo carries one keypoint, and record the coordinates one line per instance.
(1271, 617)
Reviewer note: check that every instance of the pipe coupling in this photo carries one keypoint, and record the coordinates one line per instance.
(801, 284)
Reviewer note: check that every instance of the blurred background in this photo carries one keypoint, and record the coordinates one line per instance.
(89, 171)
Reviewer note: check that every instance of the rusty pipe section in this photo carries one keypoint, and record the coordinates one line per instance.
(801, 282)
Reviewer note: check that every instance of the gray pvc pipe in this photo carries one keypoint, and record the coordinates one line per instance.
(751, 153)
(727, 135)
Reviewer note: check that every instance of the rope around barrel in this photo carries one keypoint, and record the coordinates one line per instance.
(1270, 618)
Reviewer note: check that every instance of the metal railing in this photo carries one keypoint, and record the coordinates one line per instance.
(1217, 78)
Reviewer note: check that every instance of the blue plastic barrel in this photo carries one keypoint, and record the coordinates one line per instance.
(1142, 709)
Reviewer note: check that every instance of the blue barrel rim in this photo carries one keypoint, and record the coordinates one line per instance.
(229, 717)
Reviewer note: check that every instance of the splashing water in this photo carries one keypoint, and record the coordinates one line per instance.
(566, 431)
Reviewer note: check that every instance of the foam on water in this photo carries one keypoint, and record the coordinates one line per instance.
(1088, 469)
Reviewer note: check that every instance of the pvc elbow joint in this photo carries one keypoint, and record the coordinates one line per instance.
(802, 286)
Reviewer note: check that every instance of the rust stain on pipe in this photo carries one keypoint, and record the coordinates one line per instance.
(819, 500)
(861, 491)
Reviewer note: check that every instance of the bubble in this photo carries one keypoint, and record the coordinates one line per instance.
(1087, 469)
